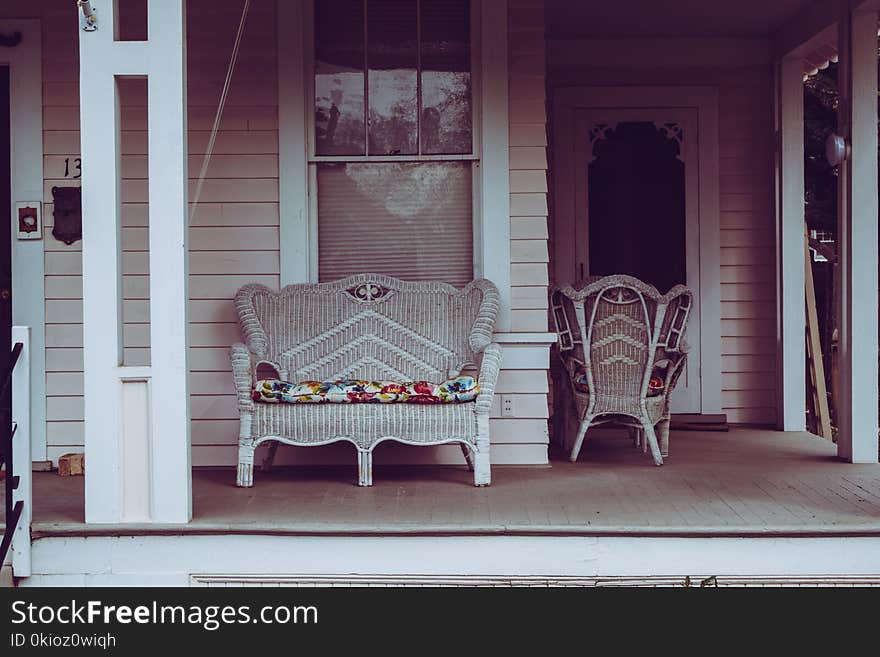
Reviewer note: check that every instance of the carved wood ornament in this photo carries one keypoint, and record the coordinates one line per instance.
(10, 41)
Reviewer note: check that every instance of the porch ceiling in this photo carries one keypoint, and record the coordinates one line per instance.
(669, 18)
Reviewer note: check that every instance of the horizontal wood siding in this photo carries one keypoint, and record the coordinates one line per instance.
(748, 290)
(528, 166)
(234, 234)
(529, 251)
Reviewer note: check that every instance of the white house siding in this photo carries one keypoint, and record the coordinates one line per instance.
(234, 236)
(747, 252)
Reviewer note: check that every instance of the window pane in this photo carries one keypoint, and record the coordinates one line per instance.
(446, 77)
(392, 37)
(339, 78)
(409, 220)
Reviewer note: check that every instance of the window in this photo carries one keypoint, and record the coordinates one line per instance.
(392, 157)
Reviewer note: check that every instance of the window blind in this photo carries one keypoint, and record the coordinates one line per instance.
(411, 220)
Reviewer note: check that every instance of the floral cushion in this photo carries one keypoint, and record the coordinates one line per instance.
(355, 391)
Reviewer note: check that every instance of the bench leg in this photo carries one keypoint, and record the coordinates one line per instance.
(245, 477)
(365, 468)
(468, 456)
(482, 467)
(269, 459)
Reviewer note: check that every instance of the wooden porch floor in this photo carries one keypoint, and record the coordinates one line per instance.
(739, 483)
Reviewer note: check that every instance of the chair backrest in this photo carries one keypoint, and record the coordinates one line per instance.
(368, 326)
(617, 327)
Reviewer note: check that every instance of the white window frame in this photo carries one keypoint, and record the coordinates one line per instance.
(298, 168)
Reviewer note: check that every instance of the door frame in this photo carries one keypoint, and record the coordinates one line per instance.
(28, 282)
(704, 99)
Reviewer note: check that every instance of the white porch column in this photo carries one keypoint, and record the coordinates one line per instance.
(169, 272)
(790, 274)
(857, 236)
(136, 418)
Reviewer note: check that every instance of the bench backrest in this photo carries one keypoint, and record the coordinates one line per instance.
(368, 326)
(617, 327)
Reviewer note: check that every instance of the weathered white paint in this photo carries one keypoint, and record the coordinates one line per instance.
(173, 560)
(790, 227)
(857, 388)
(28, 309)
(103, 61)
(707, 368)
(22, 416)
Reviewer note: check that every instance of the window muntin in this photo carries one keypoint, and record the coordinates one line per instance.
(409, 62)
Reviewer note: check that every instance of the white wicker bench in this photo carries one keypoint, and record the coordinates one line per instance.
(372, 327)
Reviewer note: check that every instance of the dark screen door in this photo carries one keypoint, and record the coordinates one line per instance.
(5, 240)
(637, 205)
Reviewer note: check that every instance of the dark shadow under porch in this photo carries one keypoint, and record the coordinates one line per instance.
(741, 483)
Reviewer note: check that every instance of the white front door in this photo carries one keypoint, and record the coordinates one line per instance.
(636, 190)
(636, 208)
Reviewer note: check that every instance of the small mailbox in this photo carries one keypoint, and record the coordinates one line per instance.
(68, 214)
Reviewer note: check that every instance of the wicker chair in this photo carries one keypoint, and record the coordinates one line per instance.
(371, 327)
(634, 356)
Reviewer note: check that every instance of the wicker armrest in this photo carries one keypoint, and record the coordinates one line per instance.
(488, 377)
(672, 362)
(243, 375)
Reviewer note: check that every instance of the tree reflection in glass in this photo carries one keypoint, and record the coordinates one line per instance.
(393, 76)
(446, 77)
(339, 78)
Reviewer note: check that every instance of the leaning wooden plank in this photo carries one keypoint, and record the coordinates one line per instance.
(814, 350)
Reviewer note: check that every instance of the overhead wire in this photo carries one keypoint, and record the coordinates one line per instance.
(218, 117)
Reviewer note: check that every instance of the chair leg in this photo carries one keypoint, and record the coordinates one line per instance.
(663, 437)
(579, 441)
(245, 476)
(269, 459)
(651, 440)
(365, 468)
(636, 435)
(468, 457)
